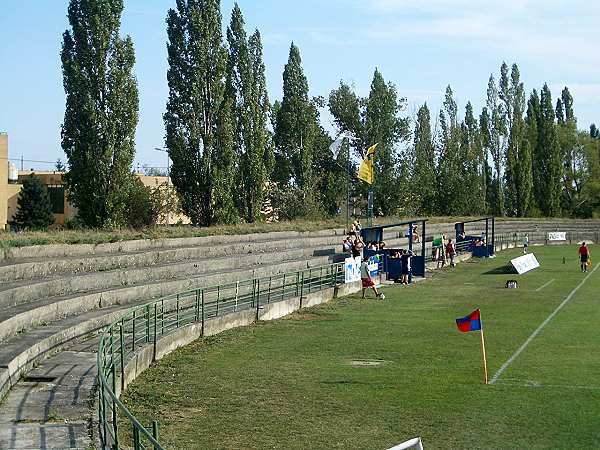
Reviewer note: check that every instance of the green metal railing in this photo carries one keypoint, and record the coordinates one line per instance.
(145, 325)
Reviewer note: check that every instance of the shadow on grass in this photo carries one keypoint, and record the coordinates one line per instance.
(503, 270)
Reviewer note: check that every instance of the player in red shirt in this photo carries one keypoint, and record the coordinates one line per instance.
(584, 257)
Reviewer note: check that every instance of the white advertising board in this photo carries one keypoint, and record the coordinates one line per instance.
(557, 236)
(525, 263)
(352, 269)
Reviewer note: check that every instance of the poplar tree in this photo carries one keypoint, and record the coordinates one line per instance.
(570, 149)
(493, 132)
(423, 161)
(246, 88)
(518, 157)
(474, 166)
(549, 157)
(377, 119)
(101, 114)
(296, 124)
(450, 188)
(534, 124)
(384, 126)
(195, 77)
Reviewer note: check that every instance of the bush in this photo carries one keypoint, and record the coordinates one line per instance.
(140, 209)
(293, 203)
(34, 208)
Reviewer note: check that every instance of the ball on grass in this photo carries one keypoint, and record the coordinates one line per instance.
(382, 296)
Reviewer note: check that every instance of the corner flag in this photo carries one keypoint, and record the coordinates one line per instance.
(472, 322)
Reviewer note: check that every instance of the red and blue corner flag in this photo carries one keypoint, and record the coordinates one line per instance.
(470, 323)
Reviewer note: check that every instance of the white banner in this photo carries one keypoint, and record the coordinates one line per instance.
(352, 269)
(525, 263)
(557, 236)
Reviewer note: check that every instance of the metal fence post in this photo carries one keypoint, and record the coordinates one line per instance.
(177, 317)
(147, 323)
(114, 408)
(133, 332)
(257, 298)
(121, 352)
(218, 297)
(283, 288)
(202, 306)
(155, 314)
(136, 437)
(301, 289)
(155, 431)
(269, 292)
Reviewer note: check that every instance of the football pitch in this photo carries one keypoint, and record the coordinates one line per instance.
(369, 374)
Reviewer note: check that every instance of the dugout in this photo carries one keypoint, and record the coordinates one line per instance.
(393, 266)
(468, 239)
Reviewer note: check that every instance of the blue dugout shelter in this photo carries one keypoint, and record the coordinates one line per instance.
(482, 245)
(393, 266)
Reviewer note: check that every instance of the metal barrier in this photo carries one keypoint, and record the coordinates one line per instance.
(145, 325)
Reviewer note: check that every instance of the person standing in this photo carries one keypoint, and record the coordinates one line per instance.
(365, 277)
(525, 243)
(451, 252)
(406, 268)
(584, 257)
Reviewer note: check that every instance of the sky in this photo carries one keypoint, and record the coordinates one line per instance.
(419, 45)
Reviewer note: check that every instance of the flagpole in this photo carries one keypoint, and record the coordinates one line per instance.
(485, 371)
(347, 186)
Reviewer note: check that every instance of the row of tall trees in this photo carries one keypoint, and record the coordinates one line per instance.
(521, 157)
(232, 150)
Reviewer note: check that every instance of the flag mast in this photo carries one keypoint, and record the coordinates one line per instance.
(485, 371)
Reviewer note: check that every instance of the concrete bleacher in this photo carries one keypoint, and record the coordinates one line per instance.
(54, 299)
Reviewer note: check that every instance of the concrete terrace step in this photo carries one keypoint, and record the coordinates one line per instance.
(27, 290)
(19, 353)
(34, 269)
(18, 317)
(39, 252)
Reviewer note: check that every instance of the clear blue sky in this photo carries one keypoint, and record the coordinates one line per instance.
(421, 46)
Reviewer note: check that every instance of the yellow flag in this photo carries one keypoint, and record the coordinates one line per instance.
(366, 172)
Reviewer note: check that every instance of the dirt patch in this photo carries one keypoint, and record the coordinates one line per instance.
(367, 362)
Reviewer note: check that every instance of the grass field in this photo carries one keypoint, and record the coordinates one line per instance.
(292, 383)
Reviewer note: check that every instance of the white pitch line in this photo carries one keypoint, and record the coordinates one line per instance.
(537, 331)
(545, 285)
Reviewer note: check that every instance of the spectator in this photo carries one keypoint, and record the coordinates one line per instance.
(381, 245)
(406, 268)
(367, 281)
(525, 243)
(415, 234)
(441, 253)
(584, 257)
(357, 226)
(357, 248)
(451, 252)
(347, 245)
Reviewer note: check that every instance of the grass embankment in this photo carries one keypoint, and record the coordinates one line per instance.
(294, 383)
(62, 236)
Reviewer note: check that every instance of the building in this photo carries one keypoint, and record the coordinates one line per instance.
(11, 182)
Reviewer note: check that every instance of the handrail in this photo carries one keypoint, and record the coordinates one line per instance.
(144, 325)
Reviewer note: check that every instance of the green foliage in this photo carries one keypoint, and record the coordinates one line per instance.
(518, 176)
(291, 203)
(549, 158)
(296, 125)
(423, 164)
(376, 120)
(140, 208)
(101, 115)
(246, 89)
(34, 210)
(197, 63)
